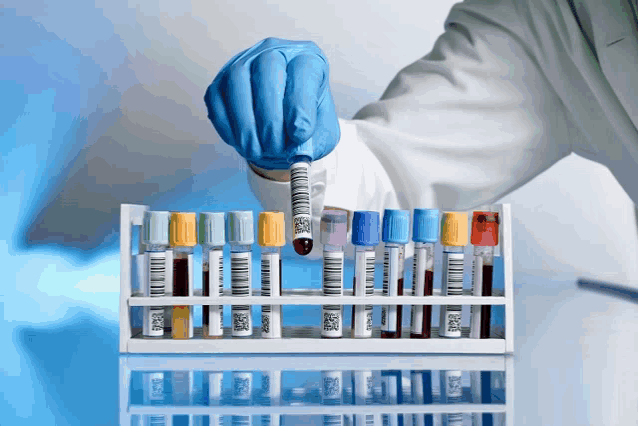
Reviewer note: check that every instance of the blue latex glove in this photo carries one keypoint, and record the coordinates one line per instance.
(272, 97)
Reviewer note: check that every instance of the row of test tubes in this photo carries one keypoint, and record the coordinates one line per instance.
(180, 232)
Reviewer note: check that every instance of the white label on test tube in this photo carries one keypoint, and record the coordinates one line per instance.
(450, 322)
(332, 387)
(332, 287)
(363, 282)
(477, 290)
(391, 277)
(216, 285)
(418, 287)
(241, 269)
(362, 386)
(155, 287)
(154, 387)
(475, 389)
(270, 314)
(300, 193)
(215, 381)
(242, 385)
(191, 292)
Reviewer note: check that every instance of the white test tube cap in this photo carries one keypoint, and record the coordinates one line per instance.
(334, 227)
(239, 227)
(211, 229)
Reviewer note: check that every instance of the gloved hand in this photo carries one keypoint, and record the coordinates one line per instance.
(273, 97)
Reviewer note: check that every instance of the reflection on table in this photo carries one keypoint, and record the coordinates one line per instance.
(316, 390)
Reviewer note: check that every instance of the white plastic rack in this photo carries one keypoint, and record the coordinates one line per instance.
(501, 407)
(308, 339)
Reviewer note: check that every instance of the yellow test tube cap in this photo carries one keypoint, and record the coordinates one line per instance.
(454, 229)
(183, 230)
(271, 229)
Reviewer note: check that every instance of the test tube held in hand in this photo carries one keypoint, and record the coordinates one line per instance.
(183, 237)
(334, 228)
(396, 230)
(240, 235)
(425, 234)
(212, 239)
(271, 239)
(484, 238)
(300, 197)
(454, 240)
(365, 237)
(155, 237)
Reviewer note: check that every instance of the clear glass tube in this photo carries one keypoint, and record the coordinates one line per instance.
(182, 321)
(422, 285)
(452, 285)
(363, 285)
(153, 316)
(300, 199)
(271, 315)
(241, 279)
(332, 315)
(482, 277)
(213, 286)
(393, 271)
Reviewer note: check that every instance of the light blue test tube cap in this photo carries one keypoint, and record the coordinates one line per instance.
(212, 229)
(396, 226)
(239, 227)
(155, 228)
(365, 228)
(425, 226)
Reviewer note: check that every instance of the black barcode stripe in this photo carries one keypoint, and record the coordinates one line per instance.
(300, 190)
(415, 283)
(265, 276)
(386, 272)
(370, 275)
(157, 421)
(240, 275)
(157, 275)
(332, 276)
(332, 420)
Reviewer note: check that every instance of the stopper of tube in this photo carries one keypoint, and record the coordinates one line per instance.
(396, 226)
(155, 228)
(426, 226)
(239, 227)
(485, 228)
(271, 229)
(454, 229)
(365, 228)
(334, 227)
(183, 230)
(212, 229)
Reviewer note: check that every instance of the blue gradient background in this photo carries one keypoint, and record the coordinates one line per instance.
(102, 105)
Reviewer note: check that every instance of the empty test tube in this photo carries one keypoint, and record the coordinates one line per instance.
(484, 238)
(300, 197)
(454, 240)
(271, 239)
(240, 234)
(155, 236)
(183, 237)
(396, 229)
(365, 237)
(212, 239)
(334, 228)
(425, 233)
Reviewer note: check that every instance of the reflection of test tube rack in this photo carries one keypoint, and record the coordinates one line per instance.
(308, 339)
(421, 401)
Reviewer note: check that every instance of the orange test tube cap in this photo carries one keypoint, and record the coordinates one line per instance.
(183, 230)
(271, 229)
(454, 229)
(485, 228)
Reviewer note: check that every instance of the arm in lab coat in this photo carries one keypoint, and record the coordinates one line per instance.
(466, 124)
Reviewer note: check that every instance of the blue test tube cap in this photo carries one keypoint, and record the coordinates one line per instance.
(426, 226)
(365, 228)
(211, 229)
(240, 228)
(155, 228)
(396, 226)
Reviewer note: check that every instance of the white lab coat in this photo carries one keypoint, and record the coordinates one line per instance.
(510, 88)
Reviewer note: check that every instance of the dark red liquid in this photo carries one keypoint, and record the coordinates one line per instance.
(427, 309)
(302, 246)
(396, 334)
(206, 292)
(180, 277)
(486, 310)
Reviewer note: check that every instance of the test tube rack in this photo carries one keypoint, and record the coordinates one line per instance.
(129, 364)
(308, 339)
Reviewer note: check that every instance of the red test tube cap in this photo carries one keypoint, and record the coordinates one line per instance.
(485, 229)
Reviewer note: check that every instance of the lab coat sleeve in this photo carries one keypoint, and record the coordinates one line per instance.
(466, 124)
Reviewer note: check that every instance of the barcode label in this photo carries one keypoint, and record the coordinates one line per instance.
(215, 382)
(418, 288)
(242, 385)
(154, 420)
(240, 280)
(416, 379)
(271, 384)
(452, 286)
(331, 384)
(391, 270)
(154, 315)
(216, 284)
(389, 389)
(240, 421)
(453, 386)
(154, 384)
(332, 287)
(332, 420)
(270, 315)
(300, 197)
(363, 284)
(477, 290)
(363, 383)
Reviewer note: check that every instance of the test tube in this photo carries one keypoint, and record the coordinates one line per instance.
(362, 391)
(300, 197)
(155, 237)
(183, 237)
(452, 393)
(396, 228)
(271, 239)
(215, 386)
(334, 228)
(212, 240)
(271, 390)
(484, 238)
(332, 394)
(153, 387)
(421, 394)
(392, 392)
(480, 382)
(425, 233)
(365, 237)
(242, 382)
(454, 240)
(240, 234)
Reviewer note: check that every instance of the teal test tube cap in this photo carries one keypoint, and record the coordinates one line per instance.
(426, 226)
